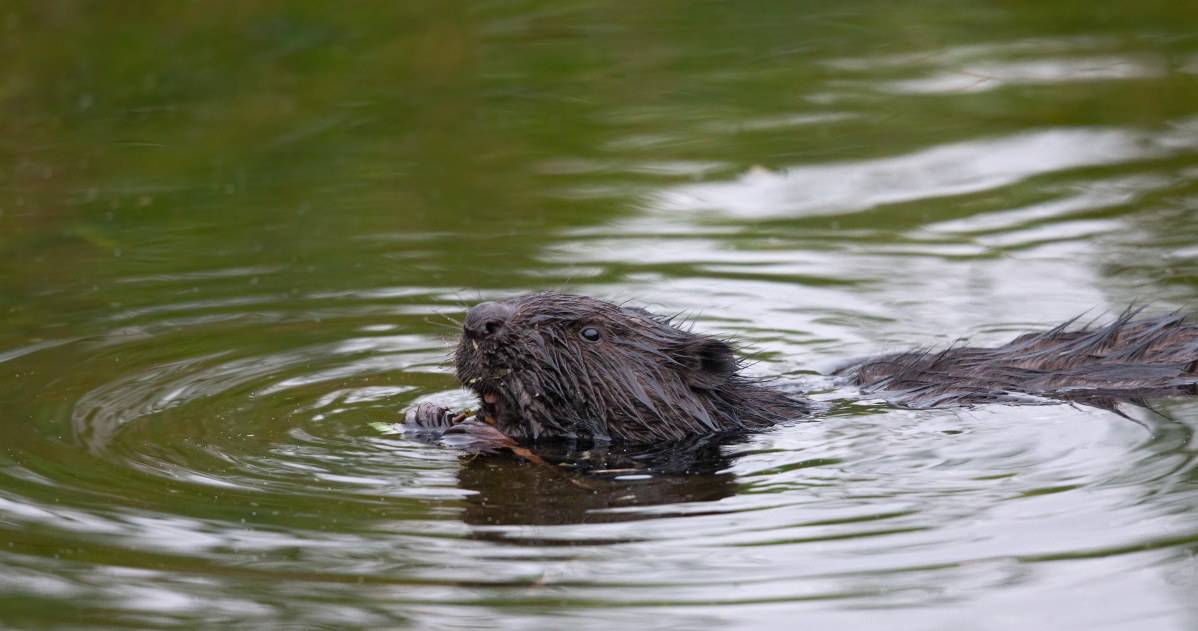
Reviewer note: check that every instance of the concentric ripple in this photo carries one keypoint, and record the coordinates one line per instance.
(214, 471)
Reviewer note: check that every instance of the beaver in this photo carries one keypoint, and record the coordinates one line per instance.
(566, 366)
(562, 366)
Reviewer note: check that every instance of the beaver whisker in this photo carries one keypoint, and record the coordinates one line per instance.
(454, 326)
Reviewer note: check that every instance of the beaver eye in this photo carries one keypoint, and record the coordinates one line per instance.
(591, 334)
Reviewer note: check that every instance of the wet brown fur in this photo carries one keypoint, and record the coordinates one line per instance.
(1129, 358)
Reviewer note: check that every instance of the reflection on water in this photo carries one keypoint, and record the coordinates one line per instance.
(597, 486)
(957, 169)
(984, 67)
(234, 240)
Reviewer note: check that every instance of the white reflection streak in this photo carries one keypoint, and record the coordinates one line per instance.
(955, 169)
(992, 75)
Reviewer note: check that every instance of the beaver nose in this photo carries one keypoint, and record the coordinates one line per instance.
(487, 319)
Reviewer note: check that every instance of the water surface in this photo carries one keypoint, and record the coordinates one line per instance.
(234, 239)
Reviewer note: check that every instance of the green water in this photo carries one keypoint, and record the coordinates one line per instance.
(233, 236)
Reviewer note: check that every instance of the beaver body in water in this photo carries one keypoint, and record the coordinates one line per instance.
(559, 366)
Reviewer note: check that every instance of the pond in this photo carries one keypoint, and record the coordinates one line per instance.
(235, 238)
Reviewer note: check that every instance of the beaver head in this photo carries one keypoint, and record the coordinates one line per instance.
(564, 366)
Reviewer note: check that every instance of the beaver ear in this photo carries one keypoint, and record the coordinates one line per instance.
(708, 363)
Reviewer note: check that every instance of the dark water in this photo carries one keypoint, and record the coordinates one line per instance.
(228, 233)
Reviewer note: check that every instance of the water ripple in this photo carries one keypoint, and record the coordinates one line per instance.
(955, 169)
